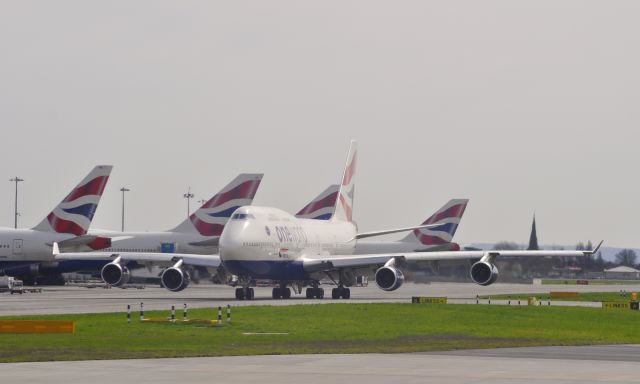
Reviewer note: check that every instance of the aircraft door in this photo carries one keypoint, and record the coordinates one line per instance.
(17, 246)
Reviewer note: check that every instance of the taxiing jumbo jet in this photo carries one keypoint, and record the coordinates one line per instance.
(28, 251)
(268, 243)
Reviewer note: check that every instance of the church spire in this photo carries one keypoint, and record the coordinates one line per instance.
(533, 239)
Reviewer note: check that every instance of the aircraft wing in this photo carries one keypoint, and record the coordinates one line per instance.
(364, 235)
(210, 261)
(333, 262)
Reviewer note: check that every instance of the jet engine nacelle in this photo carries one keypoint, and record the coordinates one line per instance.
(115, 274)
(175, 279)
(389, 278)
(484, 273)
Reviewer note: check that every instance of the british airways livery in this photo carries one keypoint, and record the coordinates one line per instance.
(198, 234)
(67, 224)
(268, 243)
(322, 207)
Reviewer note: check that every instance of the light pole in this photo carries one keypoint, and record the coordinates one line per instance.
(123, 190)
(188, 196)
(15, 219)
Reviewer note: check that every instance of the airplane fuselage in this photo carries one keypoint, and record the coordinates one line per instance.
(177, 242)
(25, 246)
(268, 243)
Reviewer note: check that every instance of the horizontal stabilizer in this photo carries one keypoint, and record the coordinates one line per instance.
(84, 243)
(214, 242)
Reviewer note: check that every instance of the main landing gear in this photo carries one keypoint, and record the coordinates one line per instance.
(245, 293)
(281, 293)
(340, 293)
(315, 293)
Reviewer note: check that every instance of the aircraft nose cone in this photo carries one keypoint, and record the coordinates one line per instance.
(231, 239)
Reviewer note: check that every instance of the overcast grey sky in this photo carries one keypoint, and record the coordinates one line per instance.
(520, 106)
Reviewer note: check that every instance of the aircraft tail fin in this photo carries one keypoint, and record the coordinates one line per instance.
(210, 219)
(321, 207)
(448, 217)
(74, 213)
(344, 202)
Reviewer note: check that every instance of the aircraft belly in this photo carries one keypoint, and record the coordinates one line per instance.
(267, 269)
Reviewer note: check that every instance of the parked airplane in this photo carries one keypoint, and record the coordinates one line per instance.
(198, 234)
(268, 243)
(438, 238)
(321, 207)
(67, 225)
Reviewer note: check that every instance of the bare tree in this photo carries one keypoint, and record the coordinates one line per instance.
(626, 257)
(506, 246)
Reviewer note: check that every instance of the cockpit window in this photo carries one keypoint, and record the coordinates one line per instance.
(242, 216)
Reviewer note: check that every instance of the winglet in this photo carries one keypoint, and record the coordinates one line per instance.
(56, 249)
(597, 248)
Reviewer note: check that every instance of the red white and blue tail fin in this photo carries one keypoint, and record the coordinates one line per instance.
(322, 207)
(211, 218)
(447, 219)
(344, 203)
(74, 214)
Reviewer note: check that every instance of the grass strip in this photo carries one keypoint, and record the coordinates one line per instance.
(329, 328)
(582, 296)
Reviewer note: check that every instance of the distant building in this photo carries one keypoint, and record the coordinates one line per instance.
(533, 239)
(622, 272)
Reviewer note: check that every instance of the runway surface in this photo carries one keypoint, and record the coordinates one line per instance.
(517, 365)
(54, 300)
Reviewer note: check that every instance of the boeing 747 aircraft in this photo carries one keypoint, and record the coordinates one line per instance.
(268, 243)
(28, 251)
(198, 234)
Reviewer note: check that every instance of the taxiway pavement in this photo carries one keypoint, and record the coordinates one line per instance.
(74, 299)
(585, 365)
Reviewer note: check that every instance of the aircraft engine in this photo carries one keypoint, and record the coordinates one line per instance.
(175, 279)
(484, 273)
(389, 278)
(115, 274)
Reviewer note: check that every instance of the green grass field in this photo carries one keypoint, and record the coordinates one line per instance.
(591, 282)
(586, 296)
(328, 328)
